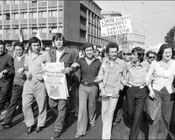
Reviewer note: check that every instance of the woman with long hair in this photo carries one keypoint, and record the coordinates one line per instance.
(163, 71)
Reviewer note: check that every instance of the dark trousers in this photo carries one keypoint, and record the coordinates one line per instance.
(59, 108)
(118, 109)
(4, 95)
(136, 98)
(16, 97)
(160, 126)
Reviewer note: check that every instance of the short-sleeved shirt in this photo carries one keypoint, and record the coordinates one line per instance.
(137, 73)
(89, 72)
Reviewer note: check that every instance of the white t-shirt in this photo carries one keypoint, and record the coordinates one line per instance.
(58, 55)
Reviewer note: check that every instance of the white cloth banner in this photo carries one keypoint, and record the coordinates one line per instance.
(115, 25)
(55, 80)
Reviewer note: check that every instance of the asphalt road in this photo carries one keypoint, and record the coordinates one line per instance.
(17, 131)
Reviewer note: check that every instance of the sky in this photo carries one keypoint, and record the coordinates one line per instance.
(153, 19)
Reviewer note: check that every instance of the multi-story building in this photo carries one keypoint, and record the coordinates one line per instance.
(77, 20)
(134, 39)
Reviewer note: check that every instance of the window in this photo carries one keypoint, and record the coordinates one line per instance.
(0, 17)
(42, 14)
(9, 2)
(43, 30)
(33, 15)
(7, 16)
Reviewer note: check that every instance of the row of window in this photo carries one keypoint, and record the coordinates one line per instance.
(53, 14)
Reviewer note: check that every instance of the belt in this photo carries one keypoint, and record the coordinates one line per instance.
(89, 84)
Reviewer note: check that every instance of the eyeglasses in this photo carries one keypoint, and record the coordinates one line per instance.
(152, 57)
(126, 53)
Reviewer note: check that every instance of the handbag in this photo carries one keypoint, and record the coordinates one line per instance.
(152, 107)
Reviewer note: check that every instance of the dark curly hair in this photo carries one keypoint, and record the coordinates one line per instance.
(140, 52)
(162, 49)
(111, 45)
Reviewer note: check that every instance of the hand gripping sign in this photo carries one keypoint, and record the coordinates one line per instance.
(115, 25)
(55, 80)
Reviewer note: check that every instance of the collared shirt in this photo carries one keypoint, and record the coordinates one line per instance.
(119, 66)
(89, 72)
(19, 57)
(136, 74)
(33, 62)
(162, 77)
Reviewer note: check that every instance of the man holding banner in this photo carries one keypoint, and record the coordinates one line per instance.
(64, 57)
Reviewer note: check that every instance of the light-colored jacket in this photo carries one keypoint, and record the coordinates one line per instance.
(104, 71)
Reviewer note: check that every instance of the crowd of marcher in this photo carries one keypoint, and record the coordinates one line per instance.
(145, 80)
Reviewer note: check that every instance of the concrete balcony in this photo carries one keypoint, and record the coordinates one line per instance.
(32, 6)
(6, 22)
(43, 36)
(82, 39)
(15, 21)
(0, 37)
(52, 4)
(82, 27)
(6, 36)
(6, 8)
(50, 36)
(52, 20)
(32, 21)
(83, 14)
(23, 21)
(0, 22)
(42, 20)
(42, 5)
(23, 6)
(15, 36)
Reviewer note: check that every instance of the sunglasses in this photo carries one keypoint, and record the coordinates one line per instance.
(126, 53)
(152, 57)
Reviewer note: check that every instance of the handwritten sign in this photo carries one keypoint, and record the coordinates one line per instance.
(55, 80)
(115, 25)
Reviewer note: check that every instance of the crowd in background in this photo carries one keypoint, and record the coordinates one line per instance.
(124, 80)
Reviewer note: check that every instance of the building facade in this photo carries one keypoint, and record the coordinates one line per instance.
(133, 40)
(78, 20)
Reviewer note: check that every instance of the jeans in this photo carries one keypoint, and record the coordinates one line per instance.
(136, 98)
(160, 126)
(86, 110)
(16, 96)
(59, 108)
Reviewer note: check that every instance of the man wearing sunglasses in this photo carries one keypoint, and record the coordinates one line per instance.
(150, 56)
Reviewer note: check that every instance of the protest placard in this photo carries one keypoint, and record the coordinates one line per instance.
(115, 25)
(55, 80)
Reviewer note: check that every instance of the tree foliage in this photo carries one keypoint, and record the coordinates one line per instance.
(169, 38)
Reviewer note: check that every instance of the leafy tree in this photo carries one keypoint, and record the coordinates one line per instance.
(169, 38)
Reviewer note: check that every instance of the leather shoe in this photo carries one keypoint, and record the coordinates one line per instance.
(56, 136)
(29, 130)
(38, 129)
(77, 136)
(117, 121)
(1, 119)
(6, 126)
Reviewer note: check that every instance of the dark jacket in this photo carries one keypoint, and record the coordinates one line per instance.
(69, 56)
(6, 63)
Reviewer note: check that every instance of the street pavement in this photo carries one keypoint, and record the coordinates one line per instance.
(17, 131)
